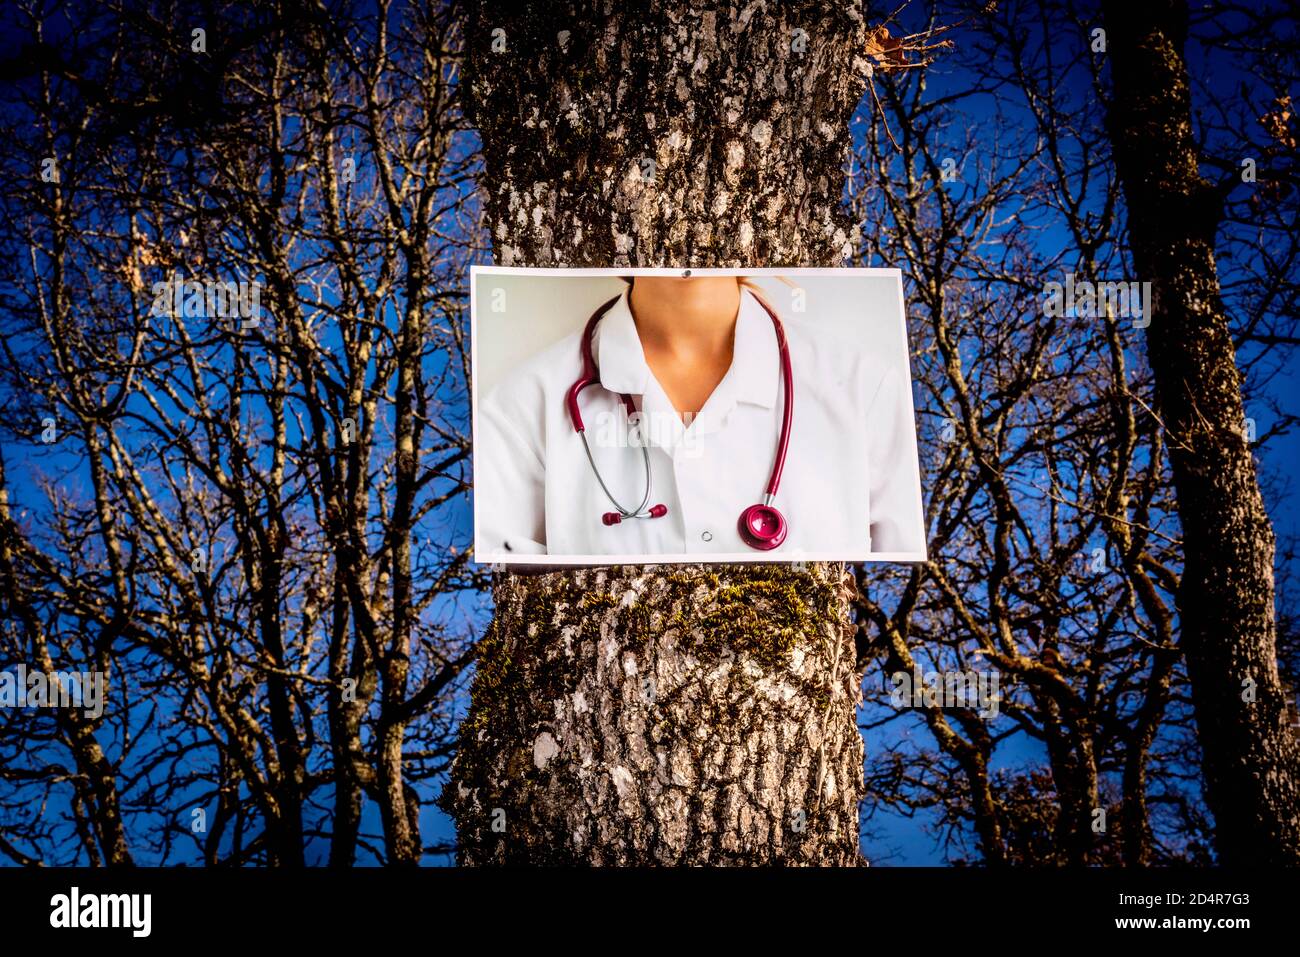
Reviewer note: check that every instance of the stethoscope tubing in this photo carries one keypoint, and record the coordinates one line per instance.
(640, 510)
(767, 512)
(787, 408)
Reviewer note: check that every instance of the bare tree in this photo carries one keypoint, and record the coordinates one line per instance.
(1054, 551)
(699, 714)
(234, 476)
(1226, 598)
(240, 515)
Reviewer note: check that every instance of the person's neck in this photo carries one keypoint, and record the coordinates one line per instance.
(685, 318)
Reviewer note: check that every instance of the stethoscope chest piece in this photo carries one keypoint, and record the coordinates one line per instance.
(762, 527)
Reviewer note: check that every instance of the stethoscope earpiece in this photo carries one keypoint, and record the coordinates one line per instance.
(613, 518)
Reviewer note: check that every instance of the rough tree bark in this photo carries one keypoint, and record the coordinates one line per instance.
(1225, 600)
(690, 714)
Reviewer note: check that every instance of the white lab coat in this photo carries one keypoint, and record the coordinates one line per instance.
(850, 486)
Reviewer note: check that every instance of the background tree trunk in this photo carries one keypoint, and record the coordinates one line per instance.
(690, 714)
(1225, 601)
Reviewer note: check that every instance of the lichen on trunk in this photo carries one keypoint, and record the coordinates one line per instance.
(644, 715)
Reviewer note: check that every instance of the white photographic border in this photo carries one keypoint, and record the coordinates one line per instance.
(751, 557)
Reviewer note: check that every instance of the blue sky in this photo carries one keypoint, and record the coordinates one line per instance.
(901, 840)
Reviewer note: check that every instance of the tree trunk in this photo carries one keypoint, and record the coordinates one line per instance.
(691, 714)
(1225, 600)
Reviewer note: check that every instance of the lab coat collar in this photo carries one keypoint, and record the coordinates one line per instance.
(754, 376)
(623, 369)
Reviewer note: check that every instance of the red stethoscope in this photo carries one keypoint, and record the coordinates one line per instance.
(761, 526)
